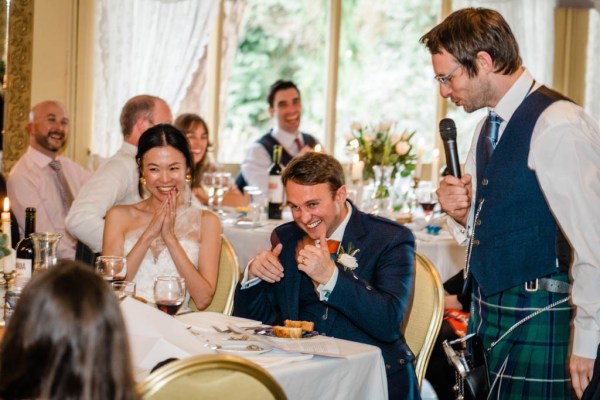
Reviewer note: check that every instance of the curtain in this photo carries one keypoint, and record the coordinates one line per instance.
(196, 98)
(532, 23)
(144, 47)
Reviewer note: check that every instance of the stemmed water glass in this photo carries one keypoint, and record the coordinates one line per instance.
(169, 293)
(111, 268)
(223, 184)
(123, 289)
(209, 183)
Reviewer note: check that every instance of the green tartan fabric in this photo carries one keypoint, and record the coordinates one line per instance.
(532, 361)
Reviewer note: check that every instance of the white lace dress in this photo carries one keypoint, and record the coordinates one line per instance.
(157, 260)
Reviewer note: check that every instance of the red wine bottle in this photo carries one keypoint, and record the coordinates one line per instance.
(25, 253)
(275, 185)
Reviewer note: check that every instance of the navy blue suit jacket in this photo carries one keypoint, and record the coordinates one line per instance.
(369, 309)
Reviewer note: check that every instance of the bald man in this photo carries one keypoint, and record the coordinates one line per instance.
(44, 179)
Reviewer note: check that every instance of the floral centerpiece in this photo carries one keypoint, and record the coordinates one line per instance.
(378, 144)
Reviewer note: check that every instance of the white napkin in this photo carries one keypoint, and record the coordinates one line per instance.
(204, 321)
(155, 336)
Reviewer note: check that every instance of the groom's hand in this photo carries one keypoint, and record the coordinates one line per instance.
(266, 265)
(316, 261)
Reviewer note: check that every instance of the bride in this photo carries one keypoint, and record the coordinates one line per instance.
(166, 233)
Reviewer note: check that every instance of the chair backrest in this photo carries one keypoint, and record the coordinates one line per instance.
(229, 275)
(211, 377)
(426, 313)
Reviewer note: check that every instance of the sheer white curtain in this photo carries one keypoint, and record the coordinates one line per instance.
(144, 47)
(532, 23)
(592, 81)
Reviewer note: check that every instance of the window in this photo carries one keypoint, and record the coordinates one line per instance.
(278, 40)
(385, 73)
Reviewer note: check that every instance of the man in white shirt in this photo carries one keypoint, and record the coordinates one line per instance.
(285, 107)
(530, 189)
(116, 181)
(45, 180)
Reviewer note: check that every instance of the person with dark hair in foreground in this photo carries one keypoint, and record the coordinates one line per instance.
(526, 205)
(66, 340)
(349, 272)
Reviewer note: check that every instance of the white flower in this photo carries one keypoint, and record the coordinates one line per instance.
(348, 261)
(402, 147)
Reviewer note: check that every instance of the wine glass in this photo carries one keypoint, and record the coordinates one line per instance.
(111, 268)
(169, 293)
(223, 185)
(209, 183)
(123, 289)
(427, 200)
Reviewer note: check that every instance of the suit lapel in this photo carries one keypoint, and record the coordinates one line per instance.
(292, 275)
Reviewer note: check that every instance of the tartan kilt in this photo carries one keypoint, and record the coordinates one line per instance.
(532, 361)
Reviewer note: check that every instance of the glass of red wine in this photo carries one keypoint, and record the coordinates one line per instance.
(111, 268)
(427, 200)
(169, 293)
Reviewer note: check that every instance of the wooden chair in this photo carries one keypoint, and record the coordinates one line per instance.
(426, 313)
(211, 377)
(229, 275)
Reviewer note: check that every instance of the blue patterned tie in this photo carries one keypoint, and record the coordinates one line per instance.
(490, 131)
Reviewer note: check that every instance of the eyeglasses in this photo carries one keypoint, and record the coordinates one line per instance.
(445, 79)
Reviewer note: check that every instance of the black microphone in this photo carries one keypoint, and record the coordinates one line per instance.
(448, 134)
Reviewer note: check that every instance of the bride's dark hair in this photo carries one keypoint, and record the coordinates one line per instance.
(159, 136)
(66, 340)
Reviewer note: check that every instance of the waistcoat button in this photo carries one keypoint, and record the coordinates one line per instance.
(484, 182)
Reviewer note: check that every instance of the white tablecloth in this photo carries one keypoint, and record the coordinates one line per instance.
(155, 336)
(447, 256)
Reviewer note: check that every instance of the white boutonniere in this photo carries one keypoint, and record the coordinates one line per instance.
(347, 258)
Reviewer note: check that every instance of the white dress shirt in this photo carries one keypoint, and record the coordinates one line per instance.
(114, 183)
(255, 167)
(32, 183)
(565, 155)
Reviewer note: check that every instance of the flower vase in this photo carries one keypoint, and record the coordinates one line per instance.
(403, 192)
(381, 199)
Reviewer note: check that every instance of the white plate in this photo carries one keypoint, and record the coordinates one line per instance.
(242, 348)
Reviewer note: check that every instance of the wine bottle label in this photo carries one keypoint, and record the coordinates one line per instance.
(23, 267)
(275, 189)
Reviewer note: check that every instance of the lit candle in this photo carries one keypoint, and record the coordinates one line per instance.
(318, 148)
(357, 168)
(7, 261)
(419, 164)
(435, 168)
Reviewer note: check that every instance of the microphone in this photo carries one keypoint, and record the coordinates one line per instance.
(448, 134)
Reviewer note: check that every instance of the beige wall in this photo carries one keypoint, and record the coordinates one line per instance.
(63, 64)
(50, 56)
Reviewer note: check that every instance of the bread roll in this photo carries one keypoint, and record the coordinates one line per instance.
(287, 332)
(307, 326)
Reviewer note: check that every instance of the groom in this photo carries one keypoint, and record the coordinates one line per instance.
(298, 279)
